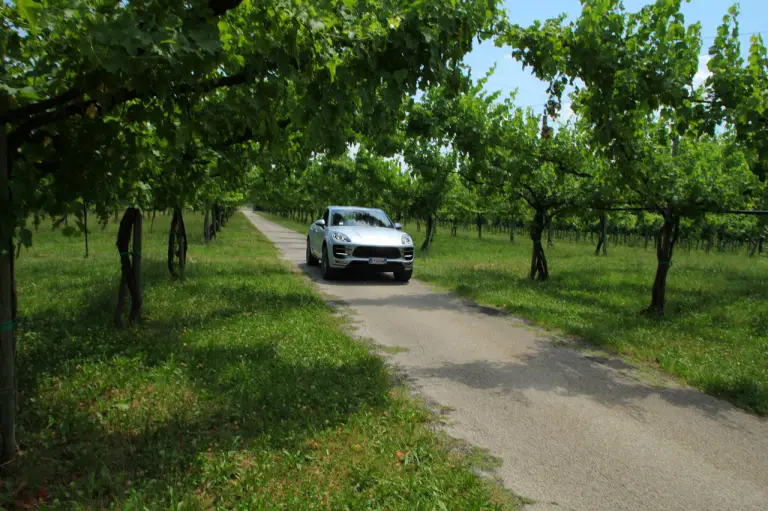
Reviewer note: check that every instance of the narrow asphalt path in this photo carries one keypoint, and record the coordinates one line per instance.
(575, 430)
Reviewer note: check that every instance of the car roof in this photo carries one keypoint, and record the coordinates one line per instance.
(354, 207)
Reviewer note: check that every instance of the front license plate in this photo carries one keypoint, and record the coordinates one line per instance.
(377, 260)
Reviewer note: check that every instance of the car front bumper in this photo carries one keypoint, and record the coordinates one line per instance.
(346, 255)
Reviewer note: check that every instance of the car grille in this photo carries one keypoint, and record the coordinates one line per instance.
(388, 252)
(339, 251)
(408, 253)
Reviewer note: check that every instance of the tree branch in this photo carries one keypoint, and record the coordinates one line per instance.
(19, 135)
(20, 114)
(565, 170)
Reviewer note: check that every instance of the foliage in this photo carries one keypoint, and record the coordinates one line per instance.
(184, 83)
(737, 89)
(708, 174)
(624, 66)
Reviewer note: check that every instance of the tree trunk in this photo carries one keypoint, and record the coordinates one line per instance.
(172, 244)
(136, 298)
(183, 244)
(428, 238)
(539, 269)
(7, 312)
(130, 281)
(603, 239)
(213, 230)
(667, 237)
(479, 223)
(206, 226)
(549, 232)
(454, 228)
(152, 223)
(85, 225)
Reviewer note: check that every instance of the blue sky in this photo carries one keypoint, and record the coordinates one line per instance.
(532, 92)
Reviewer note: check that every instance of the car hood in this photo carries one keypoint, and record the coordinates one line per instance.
(371, 235)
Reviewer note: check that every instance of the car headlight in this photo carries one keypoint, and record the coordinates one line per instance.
(340, 236)
(406, 240)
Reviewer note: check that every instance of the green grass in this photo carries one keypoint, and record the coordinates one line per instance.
(299, 227)
(239, 390)
(715, 332)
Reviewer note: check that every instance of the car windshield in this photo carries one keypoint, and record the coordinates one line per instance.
(361, 218)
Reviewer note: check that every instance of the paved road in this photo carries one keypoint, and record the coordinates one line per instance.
(574, 431)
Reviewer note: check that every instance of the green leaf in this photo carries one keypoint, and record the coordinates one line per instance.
(30, 10)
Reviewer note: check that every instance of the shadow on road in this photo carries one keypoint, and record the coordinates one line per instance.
(567, 372)
(355, 277)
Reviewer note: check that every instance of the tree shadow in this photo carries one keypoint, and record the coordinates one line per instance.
(289, 406)
(247, 395)
(559, 369)
(352, 277)
(53, 336)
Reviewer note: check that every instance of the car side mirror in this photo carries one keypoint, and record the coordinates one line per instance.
(320, 223)
(398, 226)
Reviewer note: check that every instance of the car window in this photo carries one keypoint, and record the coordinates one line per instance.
(325, 216)
(361, 218)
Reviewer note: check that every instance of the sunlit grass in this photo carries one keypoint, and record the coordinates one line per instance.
(239, 390)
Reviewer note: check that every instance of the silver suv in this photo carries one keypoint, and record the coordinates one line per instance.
(352, 237)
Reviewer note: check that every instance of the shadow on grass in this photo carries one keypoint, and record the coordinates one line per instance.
(289, 405)
(61, 336)
(246, 395)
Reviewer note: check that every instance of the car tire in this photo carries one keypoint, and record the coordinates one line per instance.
(326, 271)
(311, 259)
(404, 275)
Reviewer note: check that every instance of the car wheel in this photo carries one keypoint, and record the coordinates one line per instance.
(311, 259)
(326, 271)
(404, 275)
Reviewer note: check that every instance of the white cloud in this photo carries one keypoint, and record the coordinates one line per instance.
(703, 73)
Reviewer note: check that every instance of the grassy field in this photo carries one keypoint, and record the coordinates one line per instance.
(239, 391)
(715, 332)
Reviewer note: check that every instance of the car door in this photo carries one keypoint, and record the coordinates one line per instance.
(318, 234)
